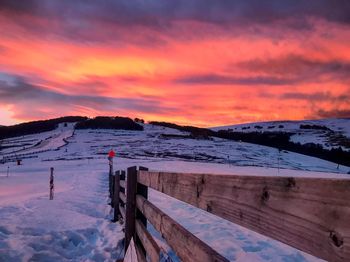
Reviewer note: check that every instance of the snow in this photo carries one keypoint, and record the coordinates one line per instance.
(339, 131)
(40, 142)
(76, 226)
(234, 242)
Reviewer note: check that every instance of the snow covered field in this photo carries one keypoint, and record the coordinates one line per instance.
(75, 226)
(338, 133)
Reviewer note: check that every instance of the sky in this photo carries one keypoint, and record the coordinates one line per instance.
(197, 62)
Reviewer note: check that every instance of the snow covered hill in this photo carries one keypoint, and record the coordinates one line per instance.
(75, 226)
(156, 144)
(330, 133)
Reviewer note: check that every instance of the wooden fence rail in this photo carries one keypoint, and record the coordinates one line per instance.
(310, 214)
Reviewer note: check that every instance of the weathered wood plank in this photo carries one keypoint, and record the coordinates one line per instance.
(122, 174)
(111, 188)
(122, 197)
(141, 190)
(311, 214)
(110, 183)
(130, 204)
(187, 246)
(116, 196)
(140, 255)
(122, 211)
(150, 245)
(122, 183)
(122, 178)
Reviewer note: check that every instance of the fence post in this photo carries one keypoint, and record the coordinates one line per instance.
(122, 189)
(110, 183)
(143, 191)
(116, 195)
(110, 162)
(112, 190)
(51, 183)
(122, 177)
(130, 215)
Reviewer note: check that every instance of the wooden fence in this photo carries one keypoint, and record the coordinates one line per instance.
(310, 214)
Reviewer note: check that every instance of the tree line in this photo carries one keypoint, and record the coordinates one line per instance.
(100, 122)
(35, 127)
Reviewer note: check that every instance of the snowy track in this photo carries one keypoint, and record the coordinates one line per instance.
(47, 141)
(74, 226)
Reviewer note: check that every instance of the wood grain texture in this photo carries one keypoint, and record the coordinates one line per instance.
(116, 196)
(122, 197)
(122, 184)
(143, 191)
(140, 255)
(110, 184)
(122, 178)
(122, 211)
(122, 175)
(150, 245)
(130, 215)
(187, 246)
(311, 214)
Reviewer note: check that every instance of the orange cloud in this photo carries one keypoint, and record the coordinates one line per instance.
(192, 72)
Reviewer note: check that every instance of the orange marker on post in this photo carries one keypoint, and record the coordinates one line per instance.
(111, 154)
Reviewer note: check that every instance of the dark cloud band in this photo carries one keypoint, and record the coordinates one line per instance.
(77, 19)
(16, 90)
(154, 12)
(214, 79)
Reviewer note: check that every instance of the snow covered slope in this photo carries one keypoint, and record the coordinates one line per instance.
(31, 144)
(335, 134)
(75, 226)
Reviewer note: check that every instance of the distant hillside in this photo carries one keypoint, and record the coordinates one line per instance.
(35, 127)
(278, 136)
(329, 133)
(325, 139)
(195, 132)
(103, 122)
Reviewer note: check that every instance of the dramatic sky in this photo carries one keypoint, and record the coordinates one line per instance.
(199, 62)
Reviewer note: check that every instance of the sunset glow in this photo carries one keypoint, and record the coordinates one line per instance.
(195, 62)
